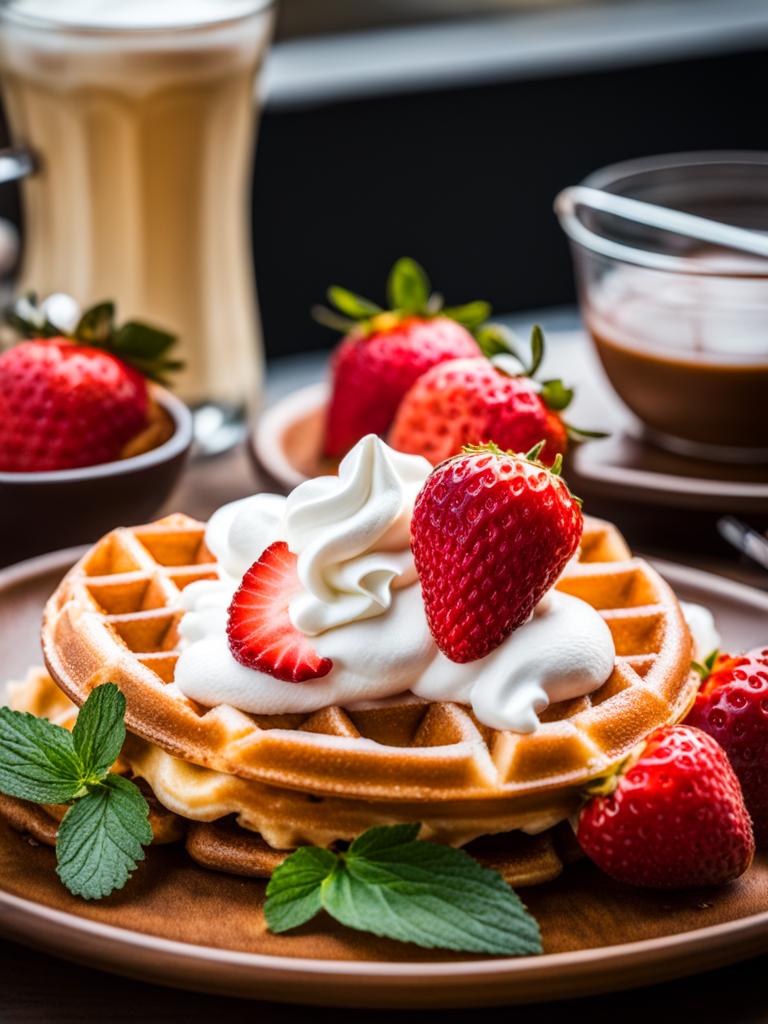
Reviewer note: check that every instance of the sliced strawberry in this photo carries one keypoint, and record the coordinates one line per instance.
(260, 632)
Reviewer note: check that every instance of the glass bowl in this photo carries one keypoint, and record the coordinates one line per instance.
(680, 327)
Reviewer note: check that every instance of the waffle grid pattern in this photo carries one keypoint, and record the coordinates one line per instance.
(113, 618)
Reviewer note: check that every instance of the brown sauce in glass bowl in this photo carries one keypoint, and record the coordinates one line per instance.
(688, 355)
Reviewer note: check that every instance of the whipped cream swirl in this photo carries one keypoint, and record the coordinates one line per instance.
(352, 536)
(361, 602)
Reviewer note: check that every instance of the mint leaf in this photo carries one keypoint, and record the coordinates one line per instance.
(293, 893)
(100, 840)
(99, 731)
(38, 760)
(350, 304)
(470, 315)
(384, 840)
(393, 885)
(408, 286)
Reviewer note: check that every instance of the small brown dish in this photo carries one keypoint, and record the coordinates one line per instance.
(286, 442)
(43, 511)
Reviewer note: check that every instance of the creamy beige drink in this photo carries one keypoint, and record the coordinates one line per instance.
(142, 116)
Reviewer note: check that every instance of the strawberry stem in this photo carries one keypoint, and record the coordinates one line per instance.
(604, 785)
(535, 452)
(704, 669)
(141, 346)
(408, 295)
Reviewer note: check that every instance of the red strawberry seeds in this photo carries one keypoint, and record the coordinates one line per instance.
(676, 817)
(469, 401)
(372, 373)
(64, 405)
(260, 633)
(491, 532)
(732, 707)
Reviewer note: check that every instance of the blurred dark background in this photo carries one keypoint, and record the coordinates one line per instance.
(443, 129)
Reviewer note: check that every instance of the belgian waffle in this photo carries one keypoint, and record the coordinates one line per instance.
(115, 618)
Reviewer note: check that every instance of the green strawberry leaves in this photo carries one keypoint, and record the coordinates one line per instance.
(100, 839)
(471, 315)
(140, 345)
(351, 305)
(392, 884)
(556, 395)
(96, 325)
(704, 668)
(408, 294)
(501, 347)
(408, 287)
(579, 434)
(496, 340)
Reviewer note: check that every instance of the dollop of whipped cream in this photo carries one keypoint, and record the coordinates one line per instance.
(361, 602)
(704, 632)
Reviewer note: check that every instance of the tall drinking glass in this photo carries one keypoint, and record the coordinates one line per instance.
(140, 116)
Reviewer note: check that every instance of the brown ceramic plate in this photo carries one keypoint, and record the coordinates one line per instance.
(181, 925)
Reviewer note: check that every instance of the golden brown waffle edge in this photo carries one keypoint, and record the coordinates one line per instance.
(113, 618)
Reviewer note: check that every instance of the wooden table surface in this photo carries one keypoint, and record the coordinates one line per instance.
(36, 988)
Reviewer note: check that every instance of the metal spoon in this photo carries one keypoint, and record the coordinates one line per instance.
(746, 540)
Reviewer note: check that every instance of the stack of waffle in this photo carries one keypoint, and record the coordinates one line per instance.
(242, 790)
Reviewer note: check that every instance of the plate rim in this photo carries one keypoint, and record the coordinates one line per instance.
(21, 918)
(382, 969)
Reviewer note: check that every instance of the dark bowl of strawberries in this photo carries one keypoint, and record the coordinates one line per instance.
(426, 377)
(89, 437)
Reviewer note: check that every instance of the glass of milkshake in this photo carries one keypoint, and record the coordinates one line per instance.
(141, 118)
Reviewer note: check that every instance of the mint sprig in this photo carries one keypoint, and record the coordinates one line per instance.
(392, 884)
(100, 839)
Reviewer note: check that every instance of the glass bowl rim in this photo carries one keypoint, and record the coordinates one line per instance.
(604, 177)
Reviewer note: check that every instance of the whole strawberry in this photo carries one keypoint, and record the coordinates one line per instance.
(71, 401)
(471, 401)
(383, 353)
(732, 706)
(491, 532)
(675, 818)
